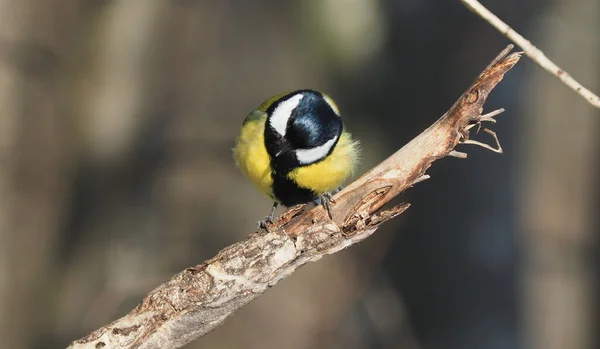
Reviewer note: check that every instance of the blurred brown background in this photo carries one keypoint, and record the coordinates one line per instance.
(116, 124)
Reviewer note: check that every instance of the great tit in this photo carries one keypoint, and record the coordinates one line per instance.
(295, 149)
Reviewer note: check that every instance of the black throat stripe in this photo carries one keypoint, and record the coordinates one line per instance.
(285, 190)
(288, 193)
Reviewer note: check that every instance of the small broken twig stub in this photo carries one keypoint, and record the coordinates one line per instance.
(200, 298)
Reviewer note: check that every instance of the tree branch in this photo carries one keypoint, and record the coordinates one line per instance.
(532, 52)
(200, 298)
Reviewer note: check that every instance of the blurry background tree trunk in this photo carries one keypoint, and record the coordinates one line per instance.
(560, 187)
(34, 162)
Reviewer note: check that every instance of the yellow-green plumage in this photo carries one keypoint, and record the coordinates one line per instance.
(329, 173)
(251, 154)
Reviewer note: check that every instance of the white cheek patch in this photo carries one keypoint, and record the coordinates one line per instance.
(283, 112)
(308, 156)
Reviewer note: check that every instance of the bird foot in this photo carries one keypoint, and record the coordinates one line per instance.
(326, 200)
(265, 223)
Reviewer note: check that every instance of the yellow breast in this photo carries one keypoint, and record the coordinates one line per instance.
(251, 155)
(330, 173)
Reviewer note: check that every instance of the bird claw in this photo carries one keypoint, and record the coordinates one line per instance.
(264, 224)
(326, 200)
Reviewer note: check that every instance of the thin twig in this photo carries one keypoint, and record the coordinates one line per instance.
(532, 52)
(200, 298)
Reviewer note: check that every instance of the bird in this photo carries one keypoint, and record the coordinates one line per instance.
(295, 149)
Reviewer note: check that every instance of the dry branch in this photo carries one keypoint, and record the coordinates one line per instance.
(532, 52)
(200, 298)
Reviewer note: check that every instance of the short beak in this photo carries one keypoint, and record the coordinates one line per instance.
(284, 147)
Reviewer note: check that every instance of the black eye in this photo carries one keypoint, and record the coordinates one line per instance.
(313, 123)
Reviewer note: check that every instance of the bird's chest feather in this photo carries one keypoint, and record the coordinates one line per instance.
(330, 173)
(252, 157)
